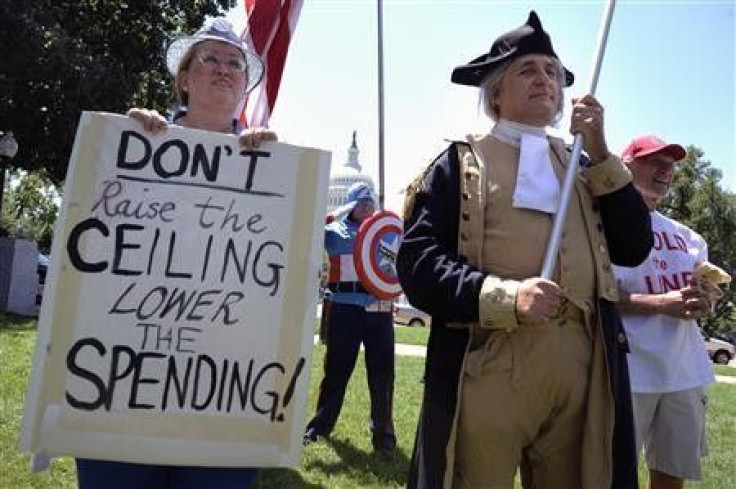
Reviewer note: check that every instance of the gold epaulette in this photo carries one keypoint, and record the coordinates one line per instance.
(419, 184)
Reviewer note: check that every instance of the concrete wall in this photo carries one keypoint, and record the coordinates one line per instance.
(18, 276)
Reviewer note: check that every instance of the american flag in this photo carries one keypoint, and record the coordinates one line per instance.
(268, 32)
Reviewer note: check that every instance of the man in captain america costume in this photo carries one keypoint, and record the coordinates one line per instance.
(352, 316)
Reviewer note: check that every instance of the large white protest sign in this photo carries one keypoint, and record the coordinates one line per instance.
(178, 320)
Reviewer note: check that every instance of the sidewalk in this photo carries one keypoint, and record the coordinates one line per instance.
(420, 351)
(400, 349)
(410, 350)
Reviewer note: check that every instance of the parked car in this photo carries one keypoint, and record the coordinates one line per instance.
(720, 351)
(43, 267)
(405, 313)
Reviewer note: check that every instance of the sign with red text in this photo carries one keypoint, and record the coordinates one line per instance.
(178, 317)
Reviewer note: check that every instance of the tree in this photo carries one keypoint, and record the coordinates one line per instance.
(698, 201)
(31, 207)
(58, 58)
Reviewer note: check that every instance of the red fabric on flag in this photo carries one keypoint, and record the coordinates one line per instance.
(268, 32)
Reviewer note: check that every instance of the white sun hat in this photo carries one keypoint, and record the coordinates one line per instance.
(216, 29)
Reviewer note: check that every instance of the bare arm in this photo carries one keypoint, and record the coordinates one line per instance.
(687, 303)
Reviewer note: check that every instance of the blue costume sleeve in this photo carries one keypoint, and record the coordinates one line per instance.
(433, 276)
(627, 225)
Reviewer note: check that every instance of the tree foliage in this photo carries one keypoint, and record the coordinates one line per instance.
(61, 57)
(30, 208)
(698, 201)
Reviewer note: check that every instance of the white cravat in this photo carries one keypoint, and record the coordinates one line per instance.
(537, 186)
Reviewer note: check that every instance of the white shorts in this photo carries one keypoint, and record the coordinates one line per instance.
(671, 428)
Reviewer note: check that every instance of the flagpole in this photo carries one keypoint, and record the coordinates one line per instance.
(380, 107)
(553, 245)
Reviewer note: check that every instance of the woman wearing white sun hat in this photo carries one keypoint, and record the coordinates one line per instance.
(213, 71)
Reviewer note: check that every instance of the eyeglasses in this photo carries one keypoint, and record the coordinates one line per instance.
(212, 60)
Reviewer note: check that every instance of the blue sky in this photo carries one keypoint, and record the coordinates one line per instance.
(669, 70)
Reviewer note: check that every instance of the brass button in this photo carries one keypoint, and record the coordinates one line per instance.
(466, 216)
(466, 196)
(602, 248)
(464, 236)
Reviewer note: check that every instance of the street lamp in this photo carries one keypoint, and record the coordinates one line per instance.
(8, 148)
(8, 144)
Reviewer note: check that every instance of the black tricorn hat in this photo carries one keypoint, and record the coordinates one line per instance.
(530, 38)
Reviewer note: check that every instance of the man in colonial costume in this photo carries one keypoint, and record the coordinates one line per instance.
(523, 372)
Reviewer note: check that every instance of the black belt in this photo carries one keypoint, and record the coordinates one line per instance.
(347, 287)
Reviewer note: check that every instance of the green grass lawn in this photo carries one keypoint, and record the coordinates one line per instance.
(17, 342)
(726, 370)
(346, 460)
(411, 335)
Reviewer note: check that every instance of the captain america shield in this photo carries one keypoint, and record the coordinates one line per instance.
(376, 246)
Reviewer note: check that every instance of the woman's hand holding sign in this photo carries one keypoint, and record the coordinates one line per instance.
(151, 120)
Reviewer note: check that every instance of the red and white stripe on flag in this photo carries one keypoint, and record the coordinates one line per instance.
(268, 32)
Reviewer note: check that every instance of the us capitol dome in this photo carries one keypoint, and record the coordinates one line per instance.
(342, 177)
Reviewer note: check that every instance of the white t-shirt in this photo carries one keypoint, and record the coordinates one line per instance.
(667, 353)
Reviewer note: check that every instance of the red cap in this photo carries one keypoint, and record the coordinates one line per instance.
(648, 145)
